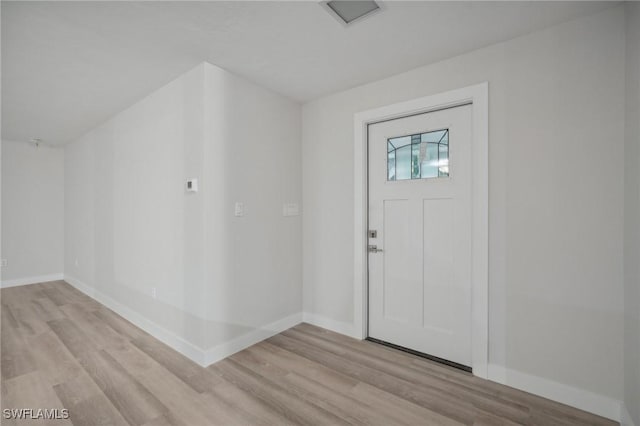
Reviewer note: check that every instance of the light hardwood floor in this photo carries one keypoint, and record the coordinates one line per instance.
(61, 349)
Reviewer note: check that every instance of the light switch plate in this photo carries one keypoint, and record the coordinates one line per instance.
(290, 209)
(239, 209)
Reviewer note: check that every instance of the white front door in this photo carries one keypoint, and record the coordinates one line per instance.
(420, 210)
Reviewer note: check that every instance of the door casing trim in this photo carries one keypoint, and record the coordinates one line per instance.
(478, 96)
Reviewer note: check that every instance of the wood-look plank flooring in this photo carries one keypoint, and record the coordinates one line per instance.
(61, 349)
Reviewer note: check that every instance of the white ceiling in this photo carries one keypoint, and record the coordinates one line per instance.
(68, 66)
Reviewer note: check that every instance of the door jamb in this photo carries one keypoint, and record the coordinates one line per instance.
(478, 96)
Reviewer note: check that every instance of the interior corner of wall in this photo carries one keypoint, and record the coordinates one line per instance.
(625, 416)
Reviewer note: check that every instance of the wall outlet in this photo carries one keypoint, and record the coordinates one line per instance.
(4, 263)
(154, 293)
(192, 185)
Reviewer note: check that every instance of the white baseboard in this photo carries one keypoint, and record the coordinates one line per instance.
(340, 327)
(226, 349)
(203, 357)
(31, 280)
(575, 397)
(497, 373)
(625, 417)
(579, 398)
(169, 338)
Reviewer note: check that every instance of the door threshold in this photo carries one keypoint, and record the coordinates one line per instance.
(422, 355)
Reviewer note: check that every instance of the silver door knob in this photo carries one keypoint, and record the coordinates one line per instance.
(374, 249)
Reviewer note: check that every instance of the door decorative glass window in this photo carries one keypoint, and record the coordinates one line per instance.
(421, 156)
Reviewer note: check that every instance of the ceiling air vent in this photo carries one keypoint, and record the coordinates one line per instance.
(348, 11)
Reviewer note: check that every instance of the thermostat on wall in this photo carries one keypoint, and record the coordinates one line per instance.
(192, 185)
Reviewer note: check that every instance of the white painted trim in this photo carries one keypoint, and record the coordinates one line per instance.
(203, 357)
(32, 280)
(340, 327)
(497, 373)
(478, 95)
(176, 342)
(579, 398)
(226, 349)
(625, 417)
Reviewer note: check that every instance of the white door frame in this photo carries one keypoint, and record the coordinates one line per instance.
(478, 96)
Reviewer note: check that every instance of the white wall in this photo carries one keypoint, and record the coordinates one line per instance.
(134, 236)
(253, 157)
(556, 201)
(32, 213)
(556, 207)
(632, 216)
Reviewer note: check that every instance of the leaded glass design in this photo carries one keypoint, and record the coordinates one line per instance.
(421, 156)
